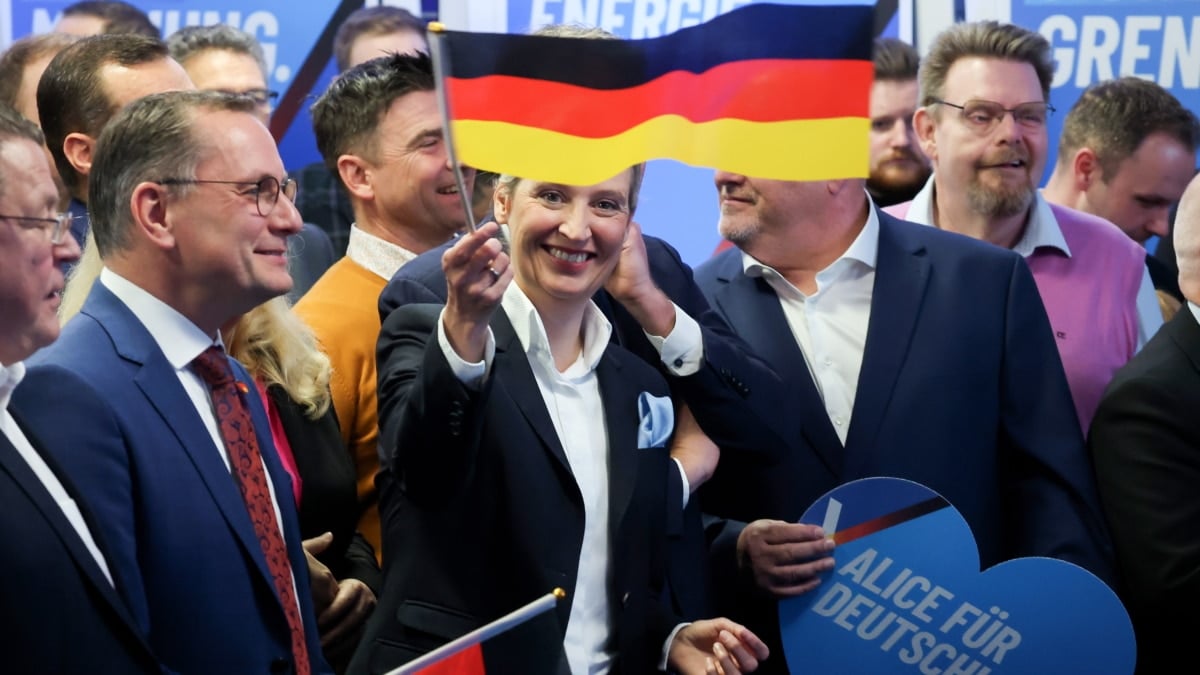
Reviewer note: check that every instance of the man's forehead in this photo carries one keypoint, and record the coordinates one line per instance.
(978, 77)
(893, 96)
(238, 141)
(125, 84)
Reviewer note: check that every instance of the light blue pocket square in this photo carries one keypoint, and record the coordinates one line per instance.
(657, 420)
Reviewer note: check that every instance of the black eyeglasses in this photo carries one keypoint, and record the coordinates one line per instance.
(55, 226)
(984, 116)
(259, 96)
(266, 191)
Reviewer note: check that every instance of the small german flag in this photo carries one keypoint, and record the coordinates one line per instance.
(772, 91)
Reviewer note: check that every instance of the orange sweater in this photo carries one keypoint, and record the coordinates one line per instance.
(342, 310)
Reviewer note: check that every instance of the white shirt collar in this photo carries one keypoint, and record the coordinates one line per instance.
(1041, 230)
(377, 255)
(530, 330)
(1195, 310)
(180, 340)
(10, 377)
(864, 249)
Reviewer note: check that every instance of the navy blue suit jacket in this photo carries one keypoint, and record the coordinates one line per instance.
(961, 389)
(179, 534)
(61, 615)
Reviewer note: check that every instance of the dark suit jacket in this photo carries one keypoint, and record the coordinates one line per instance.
(483, 515)
(961, 389)
(1146, 445)
(179, 534)
(329, 502)
(733, 395)
(60, 615)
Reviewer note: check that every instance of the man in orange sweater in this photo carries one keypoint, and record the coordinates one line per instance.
(378, 128)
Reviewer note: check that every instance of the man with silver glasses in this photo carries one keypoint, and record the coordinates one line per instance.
(61, 607)
(168, 442)
(982, 122)
(223, 58)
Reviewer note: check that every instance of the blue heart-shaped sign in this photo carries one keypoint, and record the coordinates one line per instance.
(907, 596)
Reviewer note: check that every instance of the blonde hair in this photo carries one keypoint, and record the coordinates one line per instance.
(278, 348)
(270, 340)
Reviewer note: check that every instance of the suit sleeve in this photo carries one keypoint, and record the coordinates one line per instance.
(732, 388)
(429, 421)
(1147, 454)
(402, 291)
(1051, 503)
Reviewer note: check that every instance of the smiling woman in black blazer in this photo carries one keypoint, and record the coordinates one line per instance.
(521, 451)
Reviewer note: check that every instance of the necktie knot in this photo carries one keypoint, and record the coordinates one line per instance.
(213, 367)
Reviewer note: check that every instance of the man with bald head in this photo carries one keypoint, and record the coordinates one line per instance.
(1145, 442)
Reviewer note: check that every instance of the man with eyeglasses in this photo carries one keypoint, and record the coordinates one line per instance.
(984, 91)
(222, 58)
(168, 442)
(60, 605)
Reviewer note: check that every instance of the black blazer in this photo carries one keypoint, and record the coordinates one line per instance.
(60, 615)
(482, 514)
(329, 500)
(1145, 442)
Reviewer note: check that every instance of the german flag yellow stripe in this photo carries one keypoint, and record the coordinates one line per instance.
(811, 149)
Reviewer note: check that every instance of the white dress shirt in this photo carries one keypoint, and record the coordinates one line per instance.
(1042, 229)
(573, 400)
(830, 326)
(181, 341)
(10, 377)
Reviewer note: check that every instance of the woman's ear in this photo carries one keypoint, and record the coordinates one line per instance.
(501, 204)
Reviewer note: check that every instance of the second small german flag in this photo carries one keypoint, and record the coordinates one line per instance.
(773, 91)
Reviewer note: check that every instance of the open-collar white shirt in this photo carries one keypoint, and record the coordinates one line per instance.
(830, 326)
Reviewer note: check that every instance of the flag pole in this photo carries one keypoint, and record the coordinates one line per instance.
(510, 620)
(437, 48)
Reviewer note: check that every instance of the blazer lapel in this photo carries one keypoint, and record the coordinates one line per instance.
(12, 463)
(515, 378)
(901, 275)
(752, 307)
(160, 385)
(620, 417)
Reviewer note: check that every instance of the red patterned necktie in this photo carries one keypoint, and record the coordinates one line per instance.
(246, 463)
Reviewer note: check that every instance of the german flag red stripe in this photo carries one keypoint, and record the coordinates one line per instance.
(772, 91)
(754, 91)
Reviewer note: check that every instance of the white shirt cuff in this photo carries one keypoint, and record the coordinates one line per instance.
(683, 349)
(470, 374)
(666, 650)
(687, 487)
